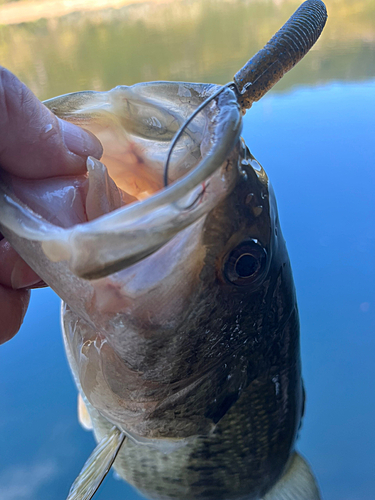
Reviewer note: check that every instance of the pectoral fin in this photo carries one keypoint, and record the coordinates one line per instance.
(97, 466)
(297, 483)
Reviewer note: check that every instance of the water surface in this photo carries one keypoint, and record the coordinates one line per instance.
(314, 135)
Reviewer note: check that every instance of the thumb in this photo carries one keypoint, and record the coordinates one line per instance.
(34, 143)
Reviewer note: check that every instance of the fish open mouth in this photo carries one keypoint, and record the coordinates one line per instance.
(120, 211)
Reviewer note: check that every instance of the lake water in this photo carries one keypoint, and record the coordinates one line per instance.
(314, 135)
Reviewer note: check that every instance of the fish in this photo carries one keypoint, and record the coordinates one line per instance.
(179, 315)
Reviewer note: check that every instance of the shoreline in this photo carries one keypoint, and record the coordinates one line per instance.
(24, 12)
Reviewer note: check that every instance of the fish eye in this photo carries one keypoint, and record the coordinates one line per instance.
(246, 263)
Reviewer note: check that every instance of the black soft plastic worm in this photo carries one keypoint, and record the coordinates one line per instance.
(285, 49)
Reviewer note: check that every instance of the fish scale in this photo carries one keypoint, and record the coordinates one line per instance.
(214, 468)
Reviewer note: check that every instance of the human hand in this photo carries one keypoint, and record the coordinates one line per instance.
(24, 152)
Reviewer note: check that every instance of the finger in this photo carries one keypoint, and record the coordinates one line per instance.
(14, 272)
(34, 143)
(13, 305)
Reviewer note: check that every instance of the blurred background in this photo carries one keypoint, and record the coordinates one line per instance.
(314, 135)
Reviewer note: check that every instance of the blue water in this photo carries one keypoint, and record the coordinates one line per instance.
(317, 146)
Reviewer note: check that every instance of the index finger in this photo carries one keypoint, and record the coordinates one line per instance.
(34, 143)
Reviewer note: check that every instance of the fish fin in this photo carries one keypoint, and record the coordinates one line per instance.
(83, 415)
(97, 466)
(297, 483)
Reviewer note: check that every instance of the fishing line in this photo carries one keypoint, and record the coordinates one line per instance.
(186, 123)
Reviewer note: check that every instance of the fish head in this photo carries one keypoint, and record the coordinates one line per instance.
(167, 291)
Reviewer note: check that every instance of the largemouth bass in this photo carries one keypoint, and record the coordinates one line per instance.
(179, 316)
